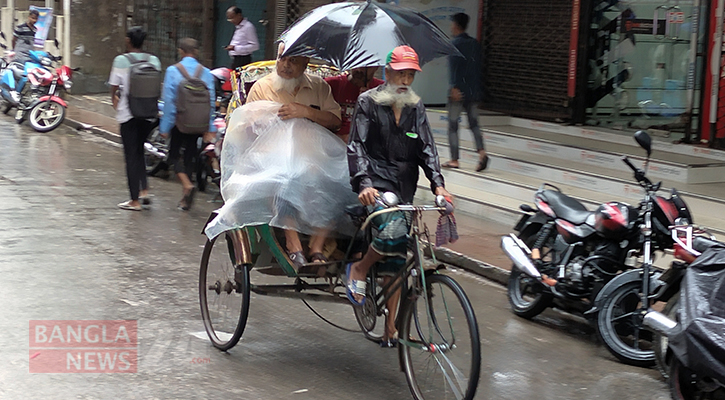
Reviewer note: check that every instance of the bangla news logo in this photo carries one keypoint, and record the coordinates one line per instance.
(83, 346)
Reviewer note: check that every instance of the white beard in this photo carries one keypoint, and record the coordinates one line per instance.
(389, 96)
(288, 85)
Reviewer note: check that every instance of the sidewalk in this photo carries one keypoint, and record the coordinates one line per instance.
(478, 249)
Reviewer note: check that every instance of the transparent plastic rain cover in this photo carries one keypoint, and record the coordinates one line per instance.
(288, 174)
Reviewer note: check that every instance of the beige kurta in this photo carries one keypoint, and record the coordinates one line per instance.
(314, 92)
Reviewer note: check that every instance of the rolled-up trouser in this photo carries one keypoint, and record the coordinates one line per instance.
(390, 239)
(454, 112)
(187, 142)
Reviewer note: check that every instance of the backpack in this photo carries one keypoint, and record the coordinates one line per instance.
(193, 102)
(144, 88)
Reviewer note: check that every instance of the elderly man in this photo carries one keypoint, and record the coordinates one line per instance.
(390, 138)
(302, 96)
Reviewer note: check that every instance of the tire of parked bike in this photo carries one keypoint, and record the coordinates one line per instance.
(662, 359)
(624, 299)
(684, 387)
(518, 286)
(206, 288)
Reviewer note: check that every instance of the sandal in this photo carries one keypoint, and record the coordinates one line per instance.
(353, 287)
(126, 205)
(449, 164)
(482, 164)
(318, 258)
(298, 259)
(390, 343)
(146, 201)
(188, 200)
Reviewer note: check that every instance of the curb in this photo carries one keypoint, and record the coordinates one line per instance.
(77, 125)
(448, 256)
(456, 259)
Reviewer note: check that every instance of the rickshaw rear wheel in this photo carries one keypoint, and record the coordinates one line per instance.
(223, 293)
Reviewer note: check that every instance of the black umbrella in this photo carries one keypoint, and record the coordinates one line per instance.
(361, 34)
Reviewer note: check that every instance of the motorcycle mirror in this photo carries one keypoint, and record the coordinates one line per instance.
(3, 46)
(644, 140)
(57, 45)
(3, 35)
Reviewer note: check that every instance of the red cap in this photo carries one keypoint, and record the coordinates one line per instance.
(403, 57)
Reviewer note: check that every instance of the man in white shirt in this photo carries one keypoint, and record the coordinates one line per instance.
(244, 42)
(134, 131)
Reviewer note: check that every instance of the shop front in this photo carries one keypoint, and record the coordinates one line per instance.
(645, 64)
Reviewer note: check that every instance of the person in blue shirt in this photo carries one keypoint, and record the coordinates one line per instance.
(188, 50)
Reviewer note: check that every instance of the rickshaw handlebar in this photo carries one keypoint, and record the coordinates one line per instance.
(389, 201)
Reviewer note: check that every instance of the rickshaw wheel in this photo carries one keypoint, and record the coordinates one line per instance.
(223, 293)
(371, 324)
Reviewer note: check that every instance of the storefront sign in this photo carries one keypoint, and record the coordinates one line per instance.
(573, 44)
(45, 19)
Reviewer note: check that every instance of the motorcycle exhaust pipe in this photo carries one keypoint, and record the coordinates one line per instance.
(659, 322)
(514, 248)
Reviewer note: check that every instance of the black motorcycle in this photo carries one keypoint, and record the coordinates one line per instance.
(568, 257)
(695, 331)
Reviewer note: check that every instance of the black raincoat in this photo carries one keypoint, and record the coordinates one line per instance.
(386, 155)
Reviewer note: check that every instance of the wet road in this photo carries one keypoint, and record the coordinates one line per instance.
(67, 253)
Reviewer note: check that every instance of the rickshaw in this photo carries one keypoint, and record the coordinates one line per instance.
(439, 346)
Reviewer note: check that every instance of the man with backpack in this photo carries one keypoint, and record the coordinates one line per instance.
(188, 113)
(135, 90)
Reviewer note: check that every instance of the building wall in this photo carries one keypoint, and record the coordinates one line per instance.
(98, 31)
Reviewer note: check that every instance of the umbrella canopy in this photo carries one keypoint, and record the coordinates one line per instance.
(361, 34)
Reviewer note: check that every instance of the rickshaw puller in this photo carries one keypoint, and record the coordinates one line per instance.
(390, 138)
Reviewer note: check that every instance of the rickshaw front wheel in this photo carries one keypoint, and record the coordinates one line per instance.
(223, 293)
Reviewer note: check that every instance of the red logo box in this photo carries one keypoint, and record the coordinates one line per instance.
(76, 346)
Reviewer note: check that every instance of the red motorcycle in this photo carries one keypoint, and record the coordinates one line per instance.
(44, 108)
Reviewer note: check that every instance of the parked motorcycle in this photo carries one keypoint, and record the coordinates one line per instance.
(580, 261)
(209, 158)
(38, 86)
(156, 148)
(695, 332)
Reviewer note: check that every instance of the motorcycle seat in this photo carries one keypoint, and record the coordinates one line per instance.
(18, 70)
(565, 207)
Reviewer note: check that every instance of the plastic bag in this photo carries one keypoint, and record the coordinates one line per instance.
(699, 340)
(289, 174)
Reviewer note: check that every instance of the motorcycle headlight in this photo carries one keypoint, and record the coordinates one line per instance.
(46, 62)
(67, 85)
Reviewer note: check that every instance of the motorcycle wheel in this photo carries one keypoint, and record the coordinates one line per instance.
(662, 359)
(154, 164)
(620, 327)
(46, 116)
(684, 385)
(525, 295)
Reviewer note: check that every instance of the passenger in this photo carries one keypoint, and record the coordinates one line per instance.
(346, 88)
(390, 138)
(302, 96)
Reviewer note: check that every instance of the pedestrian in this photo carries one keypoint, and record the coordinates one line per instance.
(188, 114)
(345, 90)
(302, 95)
(134, 128)
(244, 42)
(390, 138)
(465, 91)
